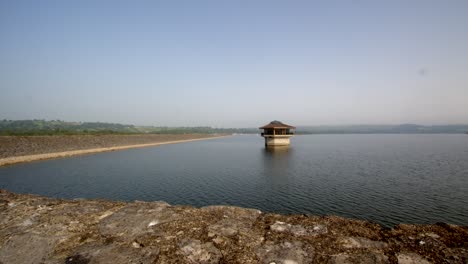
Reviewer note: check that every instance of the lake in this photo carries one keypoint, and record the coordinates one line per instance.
(388, 179)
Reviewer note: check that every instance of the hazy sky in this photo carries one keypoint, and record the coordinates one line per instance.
(235, 63)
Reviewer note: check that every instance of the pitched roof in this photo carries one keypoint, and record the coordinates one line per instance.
(276, 124)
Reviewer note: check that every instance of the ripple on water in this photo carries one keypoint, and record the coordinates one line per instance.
(384, 178)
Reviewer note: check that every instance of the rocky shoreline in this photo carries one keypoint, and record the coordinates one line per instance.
(35, 229)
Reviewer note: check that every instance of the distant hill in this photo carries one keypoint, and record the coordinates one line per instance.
(384, 129)
(43, 127)
(58, 127)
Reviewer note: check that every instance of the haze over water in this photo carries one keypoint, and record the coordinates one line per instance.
(389, 179)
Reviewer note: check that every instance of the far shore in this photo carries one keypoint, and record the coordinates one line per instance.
(14, 148)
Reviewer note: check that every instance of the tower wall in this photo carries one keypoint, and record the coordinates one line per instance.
(277, 141)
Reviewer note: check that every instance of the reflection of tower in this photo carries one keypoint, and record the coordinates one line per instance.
(278, 178)
(277, 161)
(277, 133)
(278, 151)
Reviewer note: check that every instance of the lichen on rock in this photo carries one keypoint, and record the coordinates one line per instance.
(36, 229)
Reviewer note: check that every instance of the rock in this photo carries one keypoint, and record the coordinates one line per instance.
(136, 219)
(51, 231)
(76, 259)
(196, 252)
(136, 244)
(27, 248)
(218, 240)
(430, 234)
(280, 226)
(285, 253)
(234, 220)
(319, 229)
(233, 212)
(298, 230)
(227, 227)
(27, 222)
(359, 258)
(105, 214)
(411, 258)
(112, 254)
(361, 242)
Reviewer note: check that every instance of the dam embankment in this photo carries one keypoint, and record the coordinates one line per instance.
(19, 149)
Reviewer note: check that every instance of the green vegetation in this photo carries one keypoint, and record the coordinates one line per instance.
(57, 127)
(197, 130)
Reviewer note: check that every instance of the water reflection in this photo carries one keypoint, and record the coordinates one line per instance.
(277, 150)
(277, 165)
(386, 178)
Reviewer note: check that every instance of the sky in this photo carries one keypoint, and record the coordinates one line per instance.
(235, 63)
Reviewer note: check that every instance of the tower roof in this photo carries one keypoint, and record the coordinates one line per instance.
(276, 124)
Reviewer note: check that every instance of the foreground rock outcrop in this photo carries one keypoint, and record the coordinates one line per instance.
(36, 229)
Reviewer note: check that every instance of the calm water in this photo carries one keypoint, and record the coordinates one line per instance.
(388, 179)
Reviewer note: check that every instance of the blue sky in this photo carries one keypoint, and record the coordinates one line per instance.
(235, 63)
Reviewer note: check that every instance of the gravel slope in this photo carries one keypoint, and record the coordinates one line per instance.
(12, 146)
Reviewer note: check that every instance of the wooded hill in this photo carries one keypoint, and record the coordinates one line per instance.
(58, 127)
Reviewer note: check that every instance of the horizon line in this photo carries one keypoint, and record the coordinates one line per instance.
(244, 127)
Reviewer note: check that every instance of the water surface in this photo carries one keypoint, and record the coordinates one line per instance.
(388, 179)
